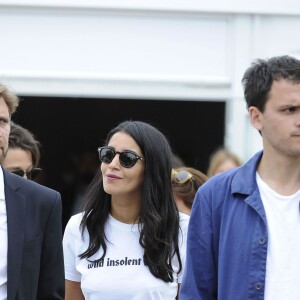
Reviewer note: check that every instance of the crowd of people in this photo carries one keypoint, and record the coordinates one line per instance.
(148, 226)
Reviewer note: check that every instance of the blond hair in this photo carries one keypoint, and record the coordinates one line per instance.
(10, 98)
(218, 157)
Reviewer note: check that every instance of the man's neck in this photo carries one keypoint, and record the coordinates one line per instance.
(281, 173)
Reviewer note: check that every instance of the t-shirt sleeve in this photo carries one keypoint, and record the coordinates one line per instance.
(184, 221)
(71, 235)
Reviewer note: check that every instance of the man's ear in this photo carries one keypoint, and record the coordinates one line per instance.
(256, 117)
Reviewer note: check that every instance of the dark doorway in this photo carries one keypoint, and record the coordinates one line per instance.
(67, 127)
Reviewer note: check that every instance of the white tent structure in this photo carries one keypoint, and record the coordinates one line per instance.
(193, 50)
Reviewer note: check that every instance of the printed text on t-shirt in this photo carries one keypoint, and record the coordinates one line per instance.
(115, 262)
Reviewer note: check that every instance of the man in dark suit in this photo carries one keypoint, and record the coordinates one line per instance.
(31, 256)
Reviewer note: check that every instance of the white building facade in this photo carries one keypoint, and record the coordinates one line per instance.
(185, 50)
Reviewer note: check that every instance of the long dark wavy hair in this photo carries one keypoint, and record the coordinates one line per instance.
(159, 217)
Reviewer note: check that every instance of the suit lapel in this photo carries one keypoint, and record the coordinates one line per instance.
(15, 208)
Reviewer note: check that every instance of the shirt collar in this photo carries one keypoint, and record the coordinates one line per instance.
(2, 194)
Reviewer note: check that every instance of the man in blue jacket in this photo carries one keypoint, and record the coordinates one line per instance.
(244, 230)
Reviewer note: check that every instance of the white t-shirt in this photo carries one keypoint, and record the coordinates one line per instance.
(122, 274)
(283, 256)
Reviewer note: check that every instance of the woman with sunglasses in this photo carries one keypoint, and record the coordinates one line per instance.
(185, 183)
(130, 240)
(23, 154)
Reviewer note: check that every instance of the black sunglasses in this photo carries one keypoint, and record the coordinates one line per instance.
(127, 158)
(31, 174)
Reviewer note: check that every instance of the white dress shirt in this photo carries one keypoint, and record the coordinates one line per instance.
(3, 241)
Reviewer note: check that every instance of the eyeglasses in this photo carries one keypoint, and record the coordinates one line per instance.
(127, 158)
(182, 176)
(31, 174)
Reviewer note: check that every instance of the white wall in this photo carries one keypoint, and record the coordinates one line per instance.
(146, 49)
(115, 53)
(262, 36)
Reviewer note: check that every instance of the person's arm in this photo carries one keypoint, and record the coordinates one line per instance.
(72, 275)
(51, 280)
(200, 276)
(73, 291)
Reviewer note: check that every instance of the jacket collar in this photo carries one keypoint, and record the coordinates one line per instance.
(15, 209)
(244, 180)
(10, 181)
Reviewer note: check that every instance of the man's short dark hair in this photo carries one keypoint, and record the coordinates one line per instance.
(259, 77)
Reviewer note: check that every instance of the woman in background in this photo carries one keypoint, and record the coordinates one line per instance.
(130, 240)
(222, 160)
(23, 154)
(185, 183)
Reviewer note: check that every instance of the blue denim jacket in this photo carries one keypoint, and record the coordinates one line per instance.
(227, 239)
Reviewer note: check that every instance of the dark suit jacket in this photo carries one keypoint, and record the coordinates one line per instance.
(35, 268)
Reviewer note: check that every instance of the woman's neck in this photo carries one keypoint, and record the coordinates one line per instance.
(125, 211)
(182, 207)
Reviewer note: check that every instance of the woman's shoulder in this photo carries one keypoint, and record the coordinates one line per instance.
(183, 220)
(73, 224)
(182, 238)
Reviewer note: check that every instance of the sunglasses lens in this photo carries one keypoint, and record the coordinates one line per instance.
(19, 172)
(183, 176)
(33, 173)
(106, 155)
(128, 159)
